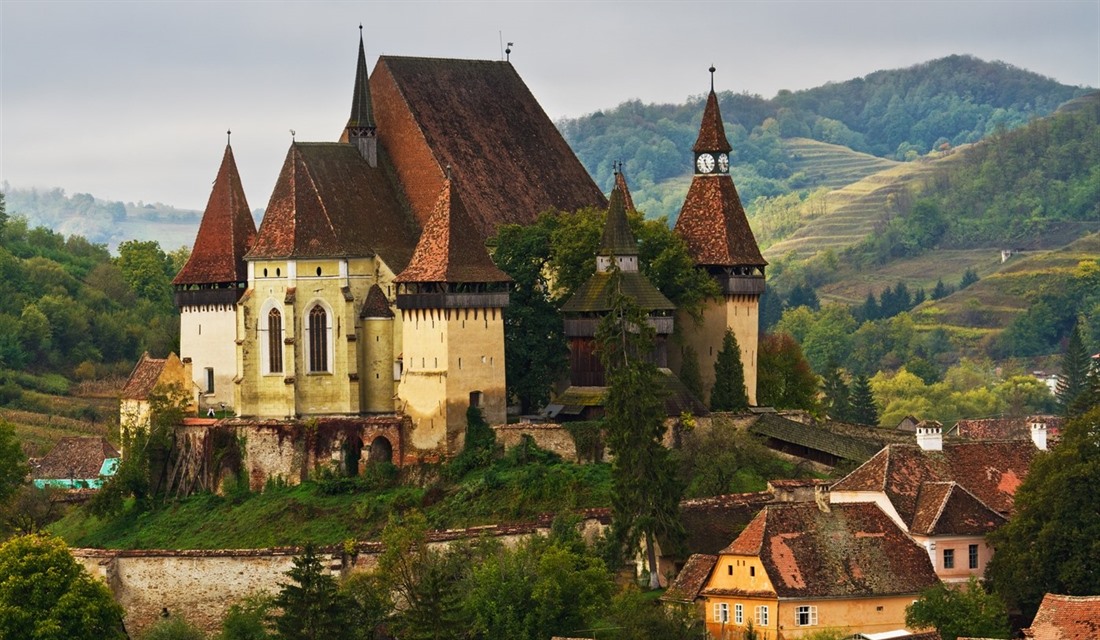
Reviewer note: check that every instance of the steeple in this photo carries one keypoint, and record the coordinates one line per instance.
(620, 184)
(618, 242)
(225, 234)
(361, 128)
(712, 133)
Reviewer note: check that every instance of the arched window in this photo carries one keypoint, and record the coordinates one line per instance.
(274, 341)
(318, 339)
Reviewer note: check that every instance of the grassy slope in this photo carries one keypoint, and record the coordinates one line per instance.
(53, 418)
(832, 165)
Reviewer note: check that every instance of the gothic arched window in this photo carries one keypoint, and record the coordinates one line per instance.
(274, 341)
(318, 339)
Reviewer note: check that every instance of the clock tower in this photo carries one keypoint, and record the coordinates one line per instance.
(713, 224)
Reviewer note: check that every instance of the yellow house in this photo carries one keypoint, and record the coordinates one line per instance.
(798, 568)
(149, 376)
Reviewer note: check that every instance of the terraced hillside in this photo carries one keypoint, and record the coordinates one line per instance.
(40, 420)
(852, 285)
(832, 165)
(853, 211)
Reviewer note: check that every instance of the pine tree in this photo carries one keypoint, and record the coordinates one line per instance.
(1075, 380)
(870, 310)
(729, 393)
(645, 499)
(689, 373)
(940, 291)
(311, 606)
(836, 393)
(863, 402)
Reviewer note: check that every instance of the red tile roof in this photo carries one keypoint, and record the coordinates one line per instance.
(479, 118)
(691, 579)
(1004, 428)
(225, 233)
(945, 508)
(79, 458)
(450, 248)
(713, 223)
(143, 378)
(1066, 618)
(712, 133)
(990, 471)
(376, 305)
(710, 523)
(852, 550)
(329, 202)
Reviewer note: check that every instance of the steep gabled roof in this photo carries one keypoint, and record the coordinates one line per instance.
(945, 508)
(691, 579)
(618, 239)
(450, 248)
(713, 223)
(329, 202)
(362, 108)
(73, 457)
(990, 471)
(225, 233)
(712, 133)
(852, 550)
(143, 378)
(594, 296)
(480, 119)
(1066, 618)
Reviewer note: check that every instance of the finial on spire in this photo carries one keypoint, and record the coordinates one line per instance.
(292, 134)
(448, 170)
(712, 77)
(228, 134)
(508, 52)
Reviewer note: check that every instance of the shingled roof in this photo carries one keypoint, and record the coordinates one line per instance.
(73, 457)
(691, 579)
(450, 248)
(620, 184)
(818, 438)
(376, 305)
(945, 508)
(1066, 618)
(479, 118)
(143, 378)
(852, 550)
(990, 471)
(713, 223)
(594, 296)
(225, 233)
(329, 202)
(362, 108)
(712, 133)
(618, 239)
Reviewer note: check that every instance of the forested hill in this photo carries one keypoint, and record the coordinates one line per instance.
(897, 114)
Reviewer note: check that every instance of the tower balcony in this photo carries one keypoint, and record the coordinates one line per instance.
(741, 285)
(226, 296)
(586, 327)
(453, 300)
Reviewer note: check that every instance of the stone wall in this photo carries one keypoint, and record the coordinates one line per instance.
(552, 437)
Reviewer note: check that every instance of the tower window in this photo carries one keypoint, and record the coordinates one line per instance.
(475, 399)
(209, 371)
(274, 341)
(318, 339)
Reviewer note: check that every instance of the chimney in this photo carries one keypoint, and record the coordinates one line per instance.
(930, 435)
(1038, 426)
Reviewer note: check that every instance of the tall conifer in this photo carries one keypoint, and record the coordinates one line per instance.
(863, 408)
(1074, 383)
(729, 393)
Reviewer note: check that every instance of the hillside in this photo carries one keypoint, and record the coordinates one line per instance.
(832, 165)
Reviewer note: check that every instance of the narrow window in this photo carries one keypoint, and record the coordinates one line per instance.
(274, 341)
(729, 569)
(948, 558)
(752, 571)
(739, 613)
(762, 616)
(209, 379)
(475, 399)
(318, 339)
(973, 556)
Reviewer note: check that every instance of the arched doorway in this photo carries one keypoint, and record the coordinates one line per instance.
(380, 450)
(353, 453)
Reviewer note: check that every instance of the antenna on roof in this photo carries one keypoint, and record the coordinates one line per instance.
(712, 77)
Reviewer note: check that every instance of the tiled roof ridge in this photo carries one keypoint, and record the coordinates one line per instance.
(943, 501)
(959, 487)
(620, 183)
(442, 59)
(226, 231)
(314, 189)
(712, 132)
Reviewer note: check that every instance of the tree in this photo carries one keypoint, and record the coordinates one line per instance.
(836, 393)
(13, 463)
(967, 611)
(785, 379)
(862, 402)
(310, 606)
(729, 392)
(370, 604)
(173, 627)
(940, 291)
(689, 372)
(645, 493)
(969, 277)
(248, 619)
(147, 269)
(1051, 544)
(1074, 381)
(46, 595)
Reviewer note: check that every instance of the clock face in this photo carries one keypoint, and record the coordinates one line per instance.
(705, 163)
(723, 163)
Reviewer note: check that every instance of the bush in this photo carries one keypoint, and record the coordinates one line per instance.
(172, 628)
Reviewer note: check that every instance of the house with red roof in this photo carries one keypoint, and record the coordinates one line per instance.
(1066, 618)
(152, 377)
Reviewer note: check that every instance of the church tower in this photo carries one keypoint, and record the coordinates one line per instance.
(713, 224)
(361, 130)
(211, 284)
(451, 299)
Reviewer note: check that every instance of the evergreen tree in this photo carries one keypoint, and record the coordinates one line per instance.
(802, 296)
(863, 402)
(970, 276)
(311, 608)
(646, 493)
(836, 393)
(689, 373)
(940, 291)
(870, 309)
(1075, 379)
(729, 392)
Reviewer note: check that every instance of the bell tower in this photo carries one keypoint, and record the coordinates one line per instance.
(713, 224)
(361, 130)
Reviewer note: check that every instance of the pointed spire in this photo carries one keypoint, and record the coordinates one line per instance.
(225, 234)
(362, 111)
(620, 184)
(450, 248)
(617, 237)
(376, 305)
(712, 133)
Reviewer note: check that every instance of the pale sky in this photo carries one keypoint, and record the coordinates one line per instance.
(131, 100)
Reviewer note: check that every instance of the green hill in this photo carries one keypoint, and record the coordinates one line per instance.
(832, 165)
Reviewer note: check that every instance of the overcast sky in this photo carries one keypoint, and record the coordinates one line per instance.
(131, 100)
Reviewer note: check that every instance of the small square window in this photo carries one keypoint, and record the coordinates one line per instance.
(806, 616)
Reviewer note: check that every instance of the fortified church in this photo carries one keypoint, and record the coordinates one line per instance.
(364, 315)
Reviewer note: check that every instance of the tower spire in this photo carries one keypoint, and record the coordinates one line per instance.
(361, 127)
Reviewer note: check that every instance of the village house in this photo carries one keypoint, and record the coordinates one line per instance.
(150, 377)
(801, 567)
(76, 463)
